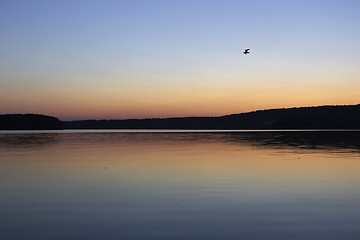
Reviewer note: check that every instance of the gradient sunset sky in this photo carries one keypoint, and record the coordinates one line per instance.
(81, 59)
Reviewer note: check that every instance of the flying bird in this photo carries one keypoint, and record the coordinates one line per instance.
(247, 51)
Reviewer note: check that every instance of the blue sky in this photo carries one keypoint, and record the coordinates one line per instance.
(124, 59)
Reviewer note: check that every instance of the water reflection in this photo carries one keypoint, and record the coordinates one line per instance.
(328, 140)
(263, 185)
(27, 140)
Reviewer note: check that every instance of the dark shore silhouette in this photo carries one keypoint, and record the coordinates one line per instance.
(321, 117)
(29, 122)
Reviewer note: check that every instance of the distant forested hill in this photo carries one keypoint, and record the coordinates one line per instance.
(29, 122)
(323, 117)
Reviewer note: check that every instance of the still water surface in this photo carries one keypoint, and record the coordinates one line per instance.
(180, 185)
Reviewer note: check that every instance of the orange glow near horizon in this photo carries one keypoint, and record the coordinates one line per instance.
(215, 100)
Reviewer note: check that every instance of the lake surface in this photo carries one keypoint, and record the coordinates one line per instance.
(180, 185)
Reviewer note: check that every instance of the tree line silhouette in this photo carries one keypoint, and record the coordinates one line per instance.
(29, 122)
(322, 117)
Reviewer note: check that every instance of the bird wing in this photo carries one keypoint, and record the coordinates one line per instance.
(246, 50)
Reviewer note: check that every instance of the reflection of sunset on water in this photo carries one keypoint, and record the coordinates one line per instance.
(129, 181)
(165, 157)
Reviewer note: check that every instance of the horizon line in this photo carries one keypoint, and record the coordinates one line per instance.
(258, 110)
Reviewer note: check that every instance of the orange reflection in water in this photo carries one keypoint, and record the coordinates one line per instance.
(178, 157)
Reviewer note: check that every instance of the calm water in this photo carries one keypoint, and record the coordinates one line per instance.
(180, 185)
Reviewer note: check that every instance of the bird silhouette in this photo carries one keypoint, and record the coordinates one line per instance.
(247, 51)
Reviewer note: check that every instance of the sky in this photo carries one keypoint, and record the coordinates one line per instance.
(103, 59)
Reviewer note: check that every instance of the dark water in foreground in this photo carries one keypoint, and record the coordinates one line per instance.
(180, 185)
